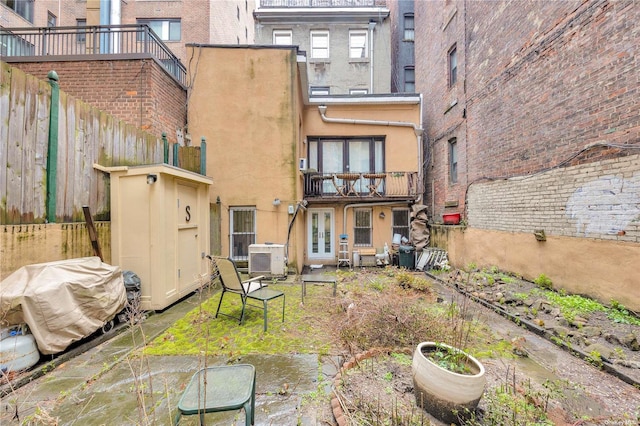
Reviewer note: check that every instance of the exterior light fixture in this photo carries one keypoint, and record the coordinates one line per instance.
(151, 179)
(382, 215)
(276, 202)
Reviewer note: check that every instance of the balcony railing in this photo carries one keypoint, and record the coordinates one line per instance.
(321, 3)
(365, 185)
(89, 42)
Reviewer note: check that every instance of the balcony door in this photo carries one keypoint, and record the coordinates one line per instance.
(320, 231)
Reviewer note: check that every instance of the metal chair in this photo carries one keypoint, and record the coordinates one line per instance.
(225, 270)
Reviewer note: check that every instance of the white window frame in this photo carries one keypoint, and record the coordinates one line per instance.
(166, 24)
(399, 228)
(358, 242)
(453, 160)
(357, 49)
(277, 34)
(319, 90)
(317, 50)
(250, 211)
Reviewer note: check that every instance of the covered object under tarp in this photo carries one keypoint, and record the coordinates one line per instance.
(63, 301)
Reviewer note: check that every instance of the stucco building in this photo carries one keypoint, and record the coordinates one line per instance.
(297, 170)
(347, 43)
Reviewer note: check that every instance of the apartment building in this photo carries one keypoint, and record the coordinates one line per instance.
(533, 131)
(403, 74)
(347, 42)
(175, 22)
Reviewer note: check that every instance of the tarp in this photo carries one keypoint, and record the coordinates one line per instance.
(62, 301)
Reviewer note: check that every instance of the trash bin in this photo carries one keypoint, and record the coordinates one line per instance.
(407, 259)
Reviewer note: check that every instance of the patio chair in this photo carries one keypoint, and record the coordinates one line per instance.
(225, 269)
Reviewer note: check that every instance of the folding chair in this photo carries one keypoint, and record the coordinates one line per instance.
(225, 269)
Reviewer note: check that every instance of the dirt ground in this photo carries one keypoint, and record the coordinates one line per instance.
(568, 389)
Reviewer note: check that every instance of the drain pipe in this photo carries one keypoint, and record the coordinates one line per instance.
(372, 25)
(418, 130)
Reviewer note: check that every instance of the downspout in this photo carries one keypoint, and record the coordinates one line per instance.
(418, 130)
(372, 25)
(115, 19)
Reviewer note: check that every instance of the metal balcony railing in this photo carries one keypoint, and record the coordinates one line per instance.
(365, 184)
(89, 42)
(321, 3)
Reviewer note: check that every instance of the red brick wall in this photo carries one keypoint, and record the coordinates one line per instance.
(138, 92)
(537, 82)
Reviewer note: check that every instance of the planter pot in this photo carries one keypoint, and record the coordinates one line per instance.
(446, 395)
(451, 218)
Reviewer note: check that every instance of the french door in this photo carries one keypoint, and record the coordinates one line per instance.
(320, 231)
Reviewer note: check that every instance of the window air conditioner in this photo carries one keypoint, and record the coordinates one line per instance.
(267, 259)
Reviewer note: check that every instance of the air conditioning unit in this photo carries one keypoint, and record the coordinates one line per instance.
(267, 259)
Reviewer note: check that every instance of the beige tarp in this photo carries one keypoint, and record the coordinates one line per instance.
(62, 301)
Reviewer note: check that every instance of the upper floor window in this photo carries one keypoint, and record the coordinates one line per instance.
(166, 29)
(320, 44)
(409, 29)
(409, 80)
(453, 160)
(283, 37)
(453, 65)
(318, 90)
(357, 44)
(23, 8)
(51, 19)
(82, 35)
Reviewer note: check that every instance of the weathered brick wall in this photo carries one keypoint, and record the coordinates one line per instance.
(538, 84)
(594, 200)
(138, 92)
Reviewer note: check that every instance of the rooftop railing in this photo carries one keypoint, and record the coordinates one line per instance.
(322, 3)
(89, 42)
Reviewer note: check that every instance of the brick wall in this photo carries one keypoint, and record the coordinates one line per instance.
(595, 200)
(138, 92)
(537, 85)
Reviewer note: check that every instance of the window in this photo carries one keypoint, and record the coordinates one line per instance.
(166, 29)
(453, 66)
(243, 231)
(283, 37)
(51, 19)
(409, 80)
(23, 8)
(358, 91)
(340, 155)
(409, 29)
(357, 44)
(319, 90)
(81, 38)
(400, 223)
(453, 160)
(319, 44)
(362, 227)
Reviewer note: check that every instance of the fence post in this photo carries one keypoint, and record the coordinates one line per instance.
(52, 149)
(175, 154)
(165, 143)
(203, 156)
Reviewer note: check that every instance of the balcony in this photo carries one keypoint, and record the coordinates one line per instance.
(89, 43)
(365, 186)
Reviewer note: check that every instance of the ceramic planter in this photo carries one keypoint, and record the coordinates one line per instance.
(446, 395)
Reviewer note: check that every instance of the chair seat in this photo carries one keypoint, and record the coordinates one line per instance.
(221, 388)
(225, 270)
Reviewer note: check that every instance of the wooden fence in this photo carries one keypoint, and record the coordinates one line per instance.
(85, 135)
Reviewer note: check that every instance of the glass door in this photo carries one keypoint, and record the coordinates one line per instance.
(320, 234)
